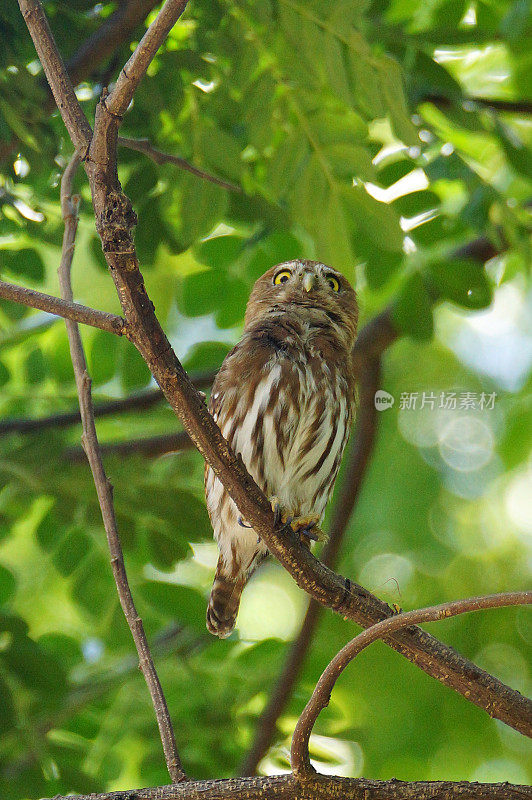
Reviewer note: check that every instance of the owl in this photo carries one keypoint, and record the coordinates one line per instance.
(284, 400)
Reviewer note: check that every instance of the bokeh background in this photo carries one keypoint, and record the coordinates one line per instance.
(380, 137)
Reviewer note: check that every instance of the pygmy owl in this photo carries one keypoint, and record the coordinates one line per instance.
(284, 400)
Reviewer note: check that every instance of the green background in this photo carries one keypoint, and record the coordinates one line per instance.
(316, 110)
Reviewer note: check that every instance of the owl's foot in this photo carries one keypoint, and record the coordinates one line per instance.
(281, 516)
(304, 526)
(307, 527)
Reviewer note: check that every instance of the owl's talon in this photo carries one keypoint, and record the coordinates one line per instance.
(304, 527)
(242, 522)
(279, 516)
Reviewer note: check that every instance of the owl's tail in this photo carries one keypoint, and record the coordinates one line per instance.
(225, 599)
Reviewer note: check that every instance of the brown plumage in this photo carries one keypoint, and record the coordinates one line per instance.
(284, 400)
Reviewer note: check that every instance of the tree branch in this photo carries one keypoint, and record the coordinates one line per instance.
(144, 146)
(64, 95)
(321, 695)
(103, 486)
(62, 308)
(319, 787)
(147, 446)
(115, 220)
(135, 69)
(116, 30)
(134, 402)
(509, 106)
(357, 459)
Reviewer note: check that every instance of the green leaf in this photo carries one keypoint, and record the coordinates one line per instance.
(336, 71)
(35, 366)
(350, 161)
(7, 709)
(134, 373)
(5, 375)
(93, 586)
(412, 313)
(394, 99)
(103, 357)
(202, 206)
(462, 281)
(71, 550)
(25, 262)
(378, 221)
(206, 356)
(219, 251)
(519, 156)
(7, 584)
(141, 181)
(181, 603)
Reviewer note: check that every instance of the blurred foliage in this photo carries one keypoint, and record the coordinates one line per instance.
(353, 130)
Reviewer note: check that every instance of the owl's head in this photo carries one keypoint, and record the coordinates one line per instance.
(309, 288)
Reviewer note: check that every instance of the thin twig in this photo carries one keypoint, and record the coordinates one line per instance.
(144, 146)
(63, 308)
(147, 446)
(115, 221)
(103, 487)
(134, 402)
(357, 459)
(321, 695)
(319, 787)
(508, 106)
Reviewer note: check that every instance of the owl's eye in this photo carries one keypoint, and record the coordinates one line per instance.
(333, 283)
(282, 276)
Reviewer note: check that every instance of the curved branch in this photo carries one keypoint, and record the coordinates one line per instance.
(319, 787)
(357, 460)
(103, 487)
(63, 308)
(321, 695)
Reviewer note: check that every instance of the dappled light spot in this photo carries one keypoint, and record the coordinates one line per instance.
(329, 756)
(518, 499)
(500, 769)
(387, 573)
(507, 663)
(466, 443)
(271, 606)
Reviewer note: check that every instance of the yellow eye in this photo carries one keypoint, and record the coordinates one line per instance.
(282, 276)
(333, 283)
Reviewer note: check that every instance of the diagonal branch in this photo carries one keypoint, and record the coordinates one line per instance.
(115, 31)
(135, 69)
(64, 308)
(64, 95)
(115, 220)
(103, 487)
(357, 460)
(144, 146)
(321, 695)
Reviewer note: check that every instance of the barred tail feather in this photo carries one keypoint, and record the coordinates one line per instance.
(224, 600)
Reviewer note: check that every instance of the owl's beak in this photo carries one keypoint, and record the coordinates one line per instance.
(308, 281)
